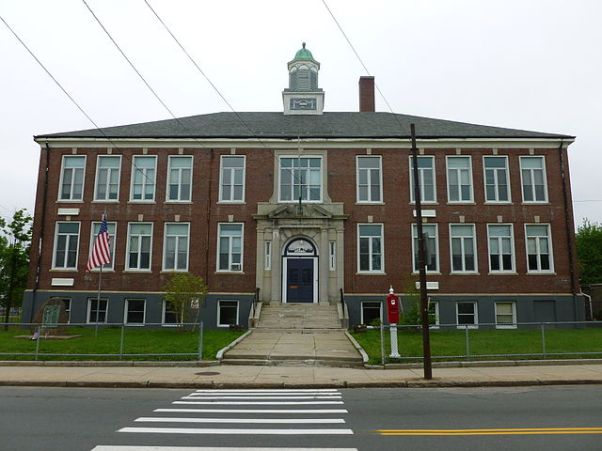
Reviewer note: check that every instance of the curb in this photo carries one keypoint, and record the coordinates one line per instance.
(220, 354)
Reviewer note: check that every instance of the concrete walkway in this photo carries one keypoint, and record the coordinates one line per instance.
(320, 347)
(229, 376)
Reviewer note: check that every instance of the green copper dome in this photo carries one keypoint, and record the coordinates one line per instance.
(304, 54)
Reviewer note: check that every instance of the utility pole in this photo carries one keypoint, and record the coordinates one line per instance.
(424, 309)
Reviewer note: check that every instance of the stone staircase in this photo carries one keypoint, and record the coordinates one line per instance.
(298, 335)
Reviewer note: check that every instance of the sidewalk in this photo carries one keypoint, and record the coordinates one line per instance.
(242, 376)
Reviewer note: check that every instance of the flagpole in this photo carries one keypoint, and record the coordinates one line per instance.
(98, 300)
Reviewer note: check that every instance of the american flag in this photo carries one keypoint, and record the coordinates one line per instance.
(101, 253)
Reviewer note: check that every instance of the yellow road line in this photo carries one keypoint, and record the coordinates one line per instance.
(495, 431)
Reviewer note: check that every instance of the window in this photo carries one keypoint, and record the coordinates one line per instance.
(179, 184)
(433, 312)
(111, 226)
(459, 179)
(496, 179)
(139, 246)
(466, 314)
(371, 313)
(300, 177)
(332, 255)
(505, 315)
(539, 248)
(67, 304)
(532, 170)
(97, 315)
(143, 178)
(501, 248)
(134, 311)
(66, 245)
(230, 247)
(463, 248)
(370, 239)
(72, 178)
(171, 315)
(107, 177)
(175, 251)
(426, 179)
(232, 179)
(267, 256)
(227, 313)
(432, 247)
(369, 179)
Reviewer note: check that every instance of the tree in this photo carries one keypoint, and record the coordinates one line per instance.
(182, 290)
(589, 252)
(15, 240)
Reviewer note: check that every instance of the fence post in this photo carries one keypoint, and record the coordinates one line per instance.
(122, 342)
(201, 341)
(382, 344)
(467, 342)
(37, 345)
(543, 339)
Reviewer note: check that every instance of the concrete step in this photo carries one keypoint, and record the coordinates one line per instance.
(295, 362)
(299, 316)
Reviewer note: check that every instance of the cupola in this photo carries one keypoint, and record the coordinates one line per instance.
(303, 96)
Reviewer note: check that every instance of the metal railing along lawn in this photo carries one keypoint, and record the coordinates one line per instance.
(103, 341)
(536, 340)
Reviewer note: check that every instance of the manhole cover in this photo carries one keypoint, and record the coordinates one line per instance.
(207, 373)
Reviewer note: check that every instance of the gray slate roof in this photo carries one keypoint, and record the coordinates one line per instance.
(277, 125)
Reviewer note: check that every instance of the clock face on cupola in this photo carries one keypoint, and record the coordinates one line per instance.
(303, 96)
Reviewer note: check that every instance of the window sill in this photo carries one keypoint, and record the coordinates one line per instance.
(541, 273)
(231, 202)
(428, 273)
(104, 270)
(461, 202)
(148, 202)
(502, 273)
(66, 201)
(138, 271)
(184, 202)
(536, 202)
(371, 273)
(103, 201)
(369, 203)
(464, 273)
(493, 202)
(171, 271)
(427, 202)
(229, 272)
(63, 270)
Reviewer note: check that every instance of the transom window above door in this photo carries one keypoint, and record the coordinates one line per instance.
(300, 177)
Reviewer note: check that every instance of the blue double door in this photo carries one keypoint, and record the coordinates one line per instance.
(300, 280)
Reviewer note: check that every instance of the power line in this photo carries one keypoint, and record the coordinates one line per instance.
(357, 55)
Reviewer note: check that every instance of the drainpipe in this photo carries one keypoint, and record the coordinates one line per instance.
(41, 236)
(208, 216)
(567, 217)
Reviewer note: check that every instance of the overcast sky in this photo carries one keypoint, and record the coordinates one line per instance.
(532, 65)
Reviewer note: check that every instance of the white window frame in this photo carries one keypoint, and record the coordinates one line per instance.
(506, 325)
(219, 304)
(369, 171)
(126, 310)
(145, 179)
(242, 248)
(437, 323)
(179, 182)
(89, 319)
(370, 244)
(451, 250)
(178, 239)
(127, 253)
(550, 248)
(112, 242)
(496, 178)
(267, 255)
(544, 176)
(110, 171)
(332, 255)
(164, 311)
(415, 268)
(71, 198)
(470, 200)
(232, 184)
(421, 180)
(56, 242)
(475, 325)
(380, 304)
(304, 157)
(512, 249)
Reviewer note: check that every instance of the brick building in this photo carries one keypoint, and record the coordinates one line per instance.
(306, 206)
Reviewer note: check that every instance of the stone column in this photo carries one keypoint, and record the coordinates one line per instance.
(323, 266)
(276, 265)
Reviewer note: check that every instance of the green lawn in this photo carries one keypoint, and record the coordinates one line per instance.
(169, 341)
(451, 344)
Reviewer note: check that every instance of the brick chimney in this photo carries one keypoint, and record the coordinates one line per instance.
(366, 94)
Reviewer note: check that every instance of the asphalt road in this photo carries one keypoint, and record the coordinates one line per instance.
(551, 418)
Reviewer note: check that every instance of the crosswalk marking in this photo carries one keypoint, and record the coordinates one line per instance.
(241, 420)
(260, 397)
(269, 390)
(233, 431)
(260, 403)
(281, 411)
